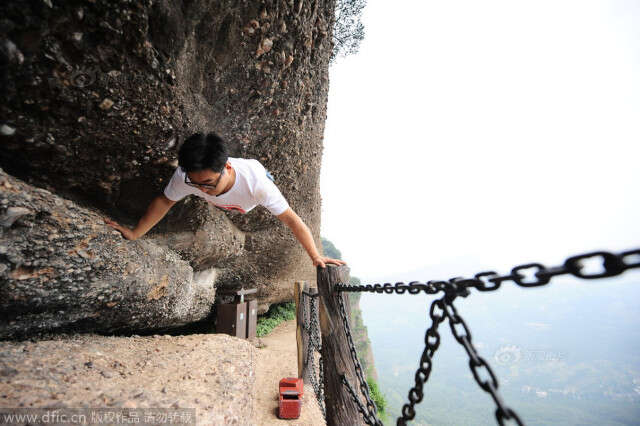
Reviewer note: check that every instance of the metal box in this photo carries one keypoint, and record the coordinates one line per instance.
(232, 319)
(239, 318)
(252, 318)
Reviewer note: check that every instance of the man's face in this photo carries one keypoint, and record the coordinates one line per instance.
(209, 177)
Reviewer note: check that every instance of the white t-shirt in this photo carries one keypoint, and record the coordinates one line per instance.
(252, 187)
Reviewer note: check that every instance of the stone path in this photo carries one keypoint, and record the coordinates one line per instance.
(276, 360)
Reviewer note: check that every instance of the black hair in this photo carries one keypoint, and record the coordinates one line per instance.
(200, 152)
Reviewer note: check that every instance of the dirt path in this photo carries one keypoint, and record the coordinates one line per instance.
(276, 360)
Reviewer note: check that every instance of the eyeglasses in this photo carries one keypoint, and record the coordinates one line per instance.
(203, 185)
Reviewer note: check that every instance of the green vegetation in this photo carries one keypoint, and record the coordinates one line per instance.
(348, 30)
(330, 250)
(378, 398)
(276, 314)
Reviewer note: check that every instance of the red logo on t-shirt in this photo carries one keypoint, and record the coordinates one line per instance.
(230, 207)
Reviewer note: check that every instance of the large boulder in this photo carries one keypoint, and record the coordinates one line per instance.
(97, 97)
(209, 377)
(62, 268)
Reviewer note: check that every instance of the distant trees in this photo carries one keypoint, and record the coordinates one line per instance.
(348, 30)
(330, 250)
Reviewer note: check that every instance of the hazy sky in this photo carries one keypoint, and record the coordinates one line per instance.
(504, 131)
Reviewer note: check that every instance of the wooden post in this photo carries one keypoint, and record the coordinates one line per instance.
(301, 337)
(336, 357)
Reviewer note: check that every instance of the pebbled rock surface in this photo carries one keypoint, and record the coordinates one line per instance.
(96, 98)
(62, 268)
(213, 373)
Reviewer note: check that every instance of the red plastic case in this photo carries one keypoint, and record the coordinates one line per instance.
(291, 390)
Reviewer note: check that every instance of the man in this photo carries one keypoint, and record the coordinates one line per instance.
(206, 170)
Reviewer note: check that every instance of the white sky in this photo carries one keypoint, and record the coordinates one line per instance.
(504, 131)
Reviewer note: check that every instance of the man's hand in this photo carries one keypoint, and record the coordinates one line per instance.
(126, 232)
(303, 235)
(323, 261)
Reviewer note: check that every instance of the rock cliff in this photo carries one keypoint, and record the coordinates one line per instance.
(97, 97)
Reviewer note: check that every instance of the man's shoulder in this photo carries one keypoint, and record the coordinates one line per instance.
(248, 166)
(248, 162)
(178, 171)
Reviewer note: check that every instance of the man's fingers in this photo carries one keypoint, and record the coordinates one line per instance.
(115, 226)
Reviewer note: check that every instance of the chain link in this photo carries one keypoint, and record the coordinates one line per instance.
(612, 264)
(414, 287)
(475, 361)
(372, 417)
(361, 408)
(312, 327)
(432, 342)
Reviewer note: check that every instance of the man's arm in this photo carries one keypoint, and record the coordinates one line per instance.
(156, 211)
(303, 234)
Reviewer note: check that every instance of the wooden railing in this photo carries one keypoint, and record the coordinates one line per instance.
(340, 408)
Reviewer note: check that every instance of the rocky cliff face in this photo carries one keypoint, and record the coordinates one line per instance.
(361, 337)
(97, 96)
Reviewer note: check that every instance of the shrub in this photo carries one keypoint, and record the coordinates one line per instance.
(377, 397)
(276, 314)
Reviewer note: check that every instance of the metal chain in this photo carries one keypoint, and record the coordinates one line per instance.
(491, 386)
(364, 387)
(424, 371)
(414, 287)
(317, 342)
(613, 264)
(310, 362)
(361, 408)
(321, 400)
(312, 328)
(313, 345)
